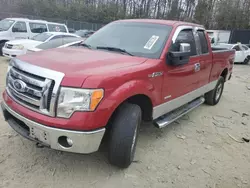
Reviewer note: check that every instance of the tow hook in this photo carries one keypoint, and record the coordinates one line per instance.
(38, 145)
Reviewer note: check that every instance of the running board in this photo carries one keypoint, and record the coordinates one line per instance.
(172, 116)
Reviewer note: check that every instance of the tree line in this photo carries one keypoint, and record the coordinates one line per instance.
(214, 14)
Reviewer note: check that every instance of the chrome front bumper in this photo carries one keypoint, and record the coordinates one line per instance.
(82, 142)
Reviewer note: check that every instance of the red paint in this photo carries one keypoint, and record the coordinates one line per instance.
(121, 77)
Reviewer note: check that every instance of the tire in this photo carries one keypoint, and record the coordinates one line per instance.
(213, 97)
(124, 134)
(246, 61)
(1, 46)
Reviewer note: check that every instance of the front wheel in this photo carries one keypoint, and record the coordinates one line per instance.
(124, 133)
(213, 97)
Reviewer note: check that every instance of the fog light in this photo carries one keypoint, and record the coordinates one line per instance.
(70, 142)
(65, 141)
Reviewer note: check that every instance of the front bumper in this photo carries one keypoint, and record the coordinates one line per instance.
(12, 52)
(82, 142)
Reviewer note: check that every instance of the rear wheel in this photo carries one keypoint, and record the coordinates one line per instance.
(124, 133)
(213, 97)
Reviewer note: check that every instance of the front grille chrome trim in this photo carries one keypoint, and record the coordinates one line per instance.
(25, 78)
(40, 81)
(23, 97)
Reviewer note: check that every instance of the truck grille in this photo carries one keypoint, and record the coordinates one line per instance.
(32, 90)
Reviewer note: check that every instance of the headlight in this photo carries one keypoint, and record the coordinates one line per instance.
(71, 100)
(18, 47)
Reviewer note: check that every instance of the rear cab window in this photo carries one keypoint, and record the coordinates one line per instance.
(203, 42)
(37, 27)
(57, 28)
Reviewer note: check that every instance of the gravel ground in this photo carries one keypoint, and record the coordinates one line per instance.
(202, 149)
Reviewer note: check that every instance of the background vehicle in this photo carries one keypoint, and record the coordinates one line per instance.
(128, 71)
(84, 33)
(242, 54)
(230, 36)
(219, 36)
(14, 48)
(22, 28)
(57, 43)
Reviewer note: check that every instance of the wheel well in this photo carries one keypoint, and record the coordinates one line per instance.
(145, 104)
(224, 74)
(2, 41)
(141, 100)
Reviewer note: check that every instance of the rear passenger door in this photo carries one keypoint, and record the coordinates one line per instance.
(206, 59)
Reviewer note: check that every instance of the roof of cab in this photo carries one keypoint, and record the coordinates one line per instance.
(40, 21)
(164, 22)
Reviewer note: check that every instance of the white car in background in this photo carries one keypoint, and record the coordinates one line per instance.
(19, 47)
(23, 28)
(242, 54)
(57, 43)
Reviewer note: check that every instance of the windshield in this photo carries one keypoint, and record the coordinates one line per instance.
(139, 39)
(42, 37)
(57, 42)
(6, 24)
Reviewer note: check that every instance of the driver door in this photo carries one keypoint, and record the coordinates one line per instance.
(182, 79)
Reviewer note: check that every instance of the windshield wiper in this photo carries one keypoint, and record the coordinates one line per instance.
(86, 45)
(114, 49)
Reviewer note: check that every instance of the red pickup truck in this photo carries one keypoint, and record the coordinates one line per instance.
(127, 72)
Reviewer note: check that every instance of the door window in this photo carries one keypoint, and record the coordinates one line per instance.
(185, 36)
(57, 28)
(244, 47)
(38, 27)
(237, 48)
(203, 41)
(19, 27)
(56, 37)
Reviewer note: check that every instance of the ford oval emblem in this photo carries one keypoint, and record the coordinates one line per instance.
(19, 85)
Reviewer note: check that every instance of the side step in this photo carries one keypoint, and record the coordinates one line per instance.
(172, 116)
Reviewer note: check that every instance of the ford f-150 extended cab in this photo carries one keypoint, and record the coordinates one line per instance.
(127, 72)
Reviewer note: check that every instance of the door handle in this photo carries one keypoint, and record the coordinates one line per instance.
(197, 67)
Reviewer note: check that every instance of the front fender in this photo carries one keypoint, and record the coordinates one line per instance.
(135, 87)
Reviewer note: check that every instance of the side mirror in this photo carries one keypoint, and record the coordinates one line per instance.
(180, 57)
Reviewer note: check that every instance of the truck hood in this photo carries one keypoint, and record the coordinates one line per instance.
(77, 63)
(27, 43)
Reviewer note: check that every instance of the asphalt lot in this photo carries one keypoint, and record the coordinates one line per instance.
(201, 150)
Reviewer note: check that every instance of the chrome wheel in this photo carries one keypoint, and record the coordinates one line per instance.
(218, 92)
